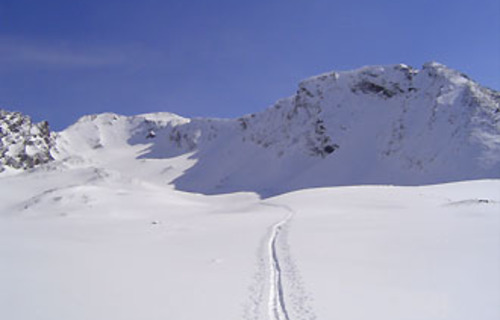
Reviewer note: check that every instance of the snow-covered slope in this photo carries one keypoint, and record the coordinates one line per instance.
(100, 226)
(91, 244)
(374, 125)
(414, 253)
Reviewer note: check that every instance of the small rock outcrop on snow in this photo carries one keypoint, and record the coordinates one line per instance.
(375, 125)
(23, 144)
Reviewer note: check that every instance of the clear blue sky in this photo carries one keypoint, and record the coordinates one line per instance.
(61, 59)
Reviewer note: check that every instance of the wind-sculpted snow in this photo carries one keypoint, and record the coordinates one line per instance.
(375, 125)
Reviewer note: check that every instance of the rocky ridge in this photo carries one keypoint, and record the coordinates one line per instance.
(23, 144)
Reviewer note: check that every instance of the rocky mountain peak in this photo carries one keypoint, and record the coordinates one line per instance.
(23, 144)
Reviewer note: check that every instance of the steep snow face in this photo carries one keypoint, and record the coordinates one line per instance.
(375, 125)
(23, 144)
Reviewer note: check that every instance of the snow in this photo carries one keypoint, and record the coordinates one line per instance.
(116, 250)
(375, 125)
(112, 239)
(330, 204)
(399, 253)
(80, 244)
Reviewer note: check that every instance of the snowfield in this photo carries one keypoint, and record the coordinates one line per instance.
(106, 249)
(369, 194)
(399, 252)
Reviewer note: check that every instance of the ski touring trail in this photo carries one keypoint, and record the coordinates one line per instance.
(278, 292)
(277, 305)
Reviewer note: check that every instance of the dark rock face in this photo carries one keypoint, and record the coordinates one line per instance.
(23, 144)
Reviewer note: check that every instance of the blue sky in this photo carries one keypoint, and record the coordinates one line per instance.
(62, 59)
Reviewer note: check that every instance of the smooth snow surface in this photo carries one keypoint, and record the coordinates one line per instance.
(398, 252)
(87, 243)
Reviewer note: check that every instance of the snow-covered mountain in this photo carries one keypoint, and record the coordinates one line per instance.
(375, 125)
(92, 226)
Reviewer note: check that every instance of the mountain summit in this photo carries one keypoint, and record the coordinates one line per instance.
(374, 125)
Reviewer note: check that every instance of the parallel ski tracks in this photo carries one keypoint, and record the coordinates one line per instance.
(277, 305)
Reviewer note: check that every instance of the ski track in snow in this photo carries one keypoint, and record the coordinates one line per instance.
(286, 296)
(277, 306)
